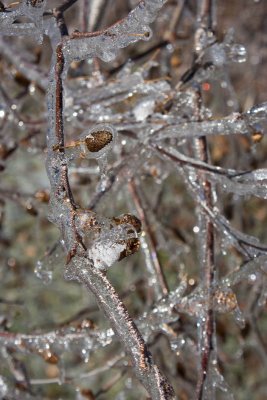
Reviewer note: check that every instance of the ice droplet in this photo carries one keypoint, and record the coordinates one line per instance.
(237, 53)
(42, 271)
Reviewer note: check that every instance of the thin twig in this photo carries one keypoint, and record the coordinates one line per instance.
(161, 283)
(207, 322)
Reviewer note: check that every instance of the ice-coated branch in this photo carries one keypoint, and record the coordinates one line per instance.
(80, 268)
(236, 124)
(248, 245)
(66, 215)
(105, 44)
(31, 9)
(126, 330)
(207, 259)
(230, 180)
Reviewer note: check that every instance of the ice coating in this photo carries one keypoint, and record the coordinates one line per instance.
(159, 134)
(99, 140)
(105, 45)
(26, 8)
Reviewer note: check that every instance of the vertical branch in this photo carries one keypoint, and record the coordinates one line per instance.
(207, 331)
(59, 125)
(59, 97)
(207, 320)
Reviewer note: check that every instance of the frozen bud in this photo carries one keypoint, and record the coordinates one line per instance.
(87, 324)
(48, 356)
(129, 219)
(83, 325)
(94, 143)
(225, 300)
(131, 246)
(87, 394)
(257, 136)
(86, 220)
(148, 34)
(30, 208)
(3, 151)
(42, 196)
(98, 140)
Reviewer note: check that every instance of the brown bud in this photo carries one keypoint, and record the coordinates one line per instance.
(49, 357)
(226, 300)
(3, 151)
(257, 136)
(96, 141)
(31, 209)
(84, 324)
(87, 324)
(87, 394)
(129, 219)
(132, 246)
(21, 80)
(42, 196)
(57, 147)
(87, 220)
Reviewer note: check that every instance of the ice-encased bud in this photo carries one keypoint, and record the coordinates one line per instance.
(129, 219)
(114, 245)
(96, 141)
(108, 239)
(131, 246)
(237, 53)
(225, 300)
(99, 140)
